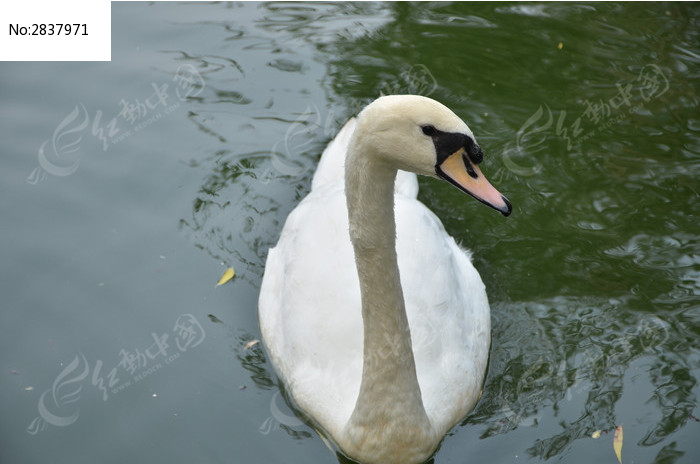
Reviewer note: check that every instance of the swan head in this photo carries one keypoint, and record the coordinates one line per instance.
(418, 134)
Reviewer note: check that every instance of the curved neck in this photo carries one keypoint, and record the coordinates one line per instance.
(389, 391)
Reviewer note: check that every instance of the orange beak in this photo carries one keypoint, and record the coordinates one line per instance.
(465, 175)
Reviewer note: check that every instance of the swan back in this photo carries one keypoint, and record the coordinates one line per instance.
(330, 172)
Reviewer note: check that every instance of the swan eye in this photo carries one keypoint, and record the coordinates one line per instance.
(429, 130)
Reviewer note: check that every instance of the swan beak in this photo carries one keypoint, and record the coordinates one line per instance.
(458, 170)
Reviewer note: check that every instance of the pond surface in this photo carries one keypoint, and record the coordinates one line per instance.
(129, 187)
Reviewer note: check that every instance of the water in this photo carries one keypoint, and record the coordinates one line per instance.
(116, 345)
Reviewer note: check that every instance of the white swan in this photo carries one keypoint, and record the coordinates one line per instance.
(384, 365)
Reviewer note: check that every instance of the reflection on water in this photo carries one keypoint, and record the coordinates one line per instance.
(570, 351)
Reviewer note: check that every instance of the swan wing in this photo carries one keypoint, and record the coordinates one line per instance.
(448, 314)
(310, 311)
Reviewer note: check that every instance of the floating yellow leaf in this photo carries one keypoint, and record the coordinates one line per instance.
(617, 443)
(228, 275)
(251, 344)
(596, 434)
(560, 45)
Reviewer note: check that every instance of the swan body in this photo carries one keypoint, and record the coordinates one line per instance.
(375, 319)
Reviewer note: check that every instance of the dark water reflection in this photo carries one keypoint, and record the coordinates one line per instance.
(588, 116)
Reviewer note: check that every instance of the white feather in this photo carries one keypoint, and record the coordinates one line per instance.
(310, 306)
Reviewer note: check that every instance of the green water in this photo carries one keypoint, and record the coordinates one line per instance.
(588, 117)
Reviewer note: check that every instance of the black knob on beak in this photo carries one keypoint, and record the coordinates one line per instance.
(475, 154)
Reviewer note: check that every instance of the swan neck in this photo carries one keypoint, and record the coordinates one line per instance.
(389, 389)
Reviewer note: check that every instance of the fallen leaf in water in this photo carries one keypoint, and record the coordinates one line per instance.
(215, 319)
(228, 275)
(596, 434)
(251, 344)
(560, 45)
(617, 443)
